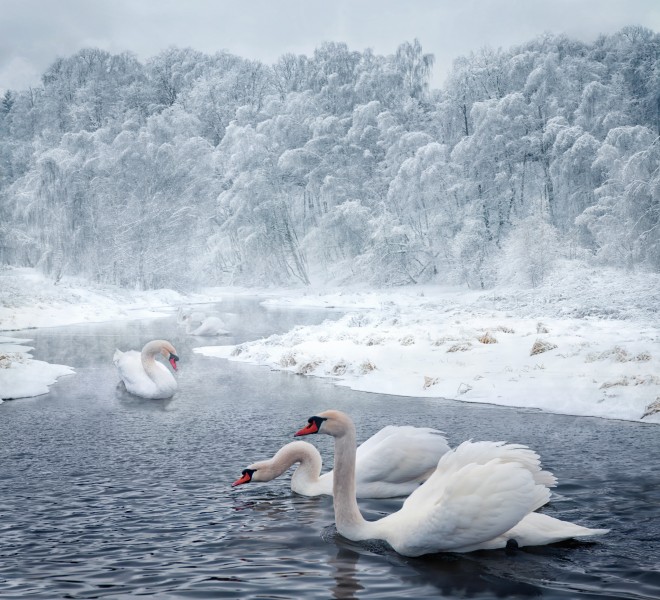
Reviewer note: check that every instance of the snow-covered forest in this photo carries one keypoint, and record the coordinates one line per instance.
(344, 166)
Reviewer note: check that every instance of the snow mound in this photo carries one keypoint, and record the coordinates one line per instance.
(20, 375)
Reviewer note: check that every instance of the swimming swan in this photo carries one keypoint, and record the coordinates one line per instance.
(481, 495)
(391, 463)
(208, 327)
(143, 375)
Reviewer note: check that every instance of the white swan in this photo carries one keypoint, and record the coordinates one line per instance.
(189, 317)
(208, 327)
(481, 495)
(143, 375)
(391, 463)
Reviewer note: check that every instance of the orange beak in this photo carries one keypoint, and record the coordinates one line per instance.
(246, 478)
(309, 428)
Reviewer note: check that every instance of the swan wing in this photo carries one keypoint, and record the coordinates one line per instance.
(473, 505)
(135, 378)
(129, 365)
(483, 452)
(398, 454)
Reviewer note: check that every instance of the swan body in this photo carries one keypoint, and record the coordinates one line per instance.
(391, 463)
(480, 496)
(208, 327)
(143, 375)
(189, 317)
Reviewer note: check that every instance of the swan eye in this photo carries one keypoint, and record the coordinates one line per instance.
(317, 421)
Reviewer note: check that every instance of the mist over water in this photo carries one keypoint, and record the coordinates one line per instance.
(103, 494)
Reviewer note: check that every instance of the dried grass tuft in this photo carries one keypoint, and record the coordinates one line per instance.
(442, 340)
(6, 360)
(430, 382)
(616, 383)
(367, 366)
(306, 368)
(541, 346)
(340, 368)
(460, 347)
(632, 380)
(504, 329)
(288, 359)
(464, 388)
(652, 408)
(487, 338)
(619, 354)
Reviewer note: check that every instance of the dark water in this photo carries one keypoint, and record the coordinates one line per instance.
(104, 495)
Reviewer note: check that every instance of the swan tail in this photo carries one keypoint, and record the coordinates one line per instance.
(540, 529)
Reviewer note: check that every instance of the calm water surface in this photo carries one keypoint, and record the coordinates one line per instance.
(105, 495)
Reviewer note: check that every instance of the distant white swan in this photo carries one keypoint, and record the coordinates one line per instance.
(208, 327)
(481, 496)
(143, 375)
(189, 317)
(391, 463)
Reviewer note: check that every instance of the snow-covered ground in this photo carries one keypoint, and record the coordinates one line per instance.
(585, 343)
(28, 299)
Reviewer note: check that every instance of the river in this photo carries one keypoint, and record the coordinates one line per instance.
(105, 495)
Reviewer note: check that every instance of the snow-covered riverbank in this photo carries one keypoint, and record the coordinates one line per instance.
(586, 343)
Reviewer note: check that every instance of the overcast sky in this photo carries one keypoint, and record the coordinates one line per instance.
(35, 32)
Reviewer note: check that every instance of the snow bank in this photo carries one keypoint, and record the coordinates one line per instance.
(28, 299)
(487, 347)
(20, 375)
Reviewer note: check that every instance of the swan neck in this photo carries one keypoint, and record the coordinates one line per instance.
(348, 518)
(297, 452)
(147, 356)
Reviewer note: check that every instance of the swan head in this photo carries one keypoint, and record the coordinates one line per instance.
(169, 352)
(330, 422)
(266, 470)
(246, 477)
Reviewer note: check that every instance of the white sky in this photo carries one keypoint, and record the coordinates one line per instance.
(35, 32)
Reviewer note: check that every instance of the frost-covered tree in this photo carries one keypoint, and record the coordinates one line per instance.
(195, 168)
(625, 220)
(530, 252)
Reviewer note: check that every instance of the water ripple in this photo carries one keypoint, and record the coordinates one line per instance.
(103, 495)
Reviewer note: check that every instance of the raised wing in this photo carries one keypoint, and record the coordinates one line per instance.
(471, 505)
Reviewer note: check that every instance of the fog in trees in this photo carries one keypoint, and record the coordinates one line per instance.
(343, 166)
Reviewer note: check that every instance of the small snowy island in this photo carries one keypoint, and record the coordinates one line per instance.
(20, 375)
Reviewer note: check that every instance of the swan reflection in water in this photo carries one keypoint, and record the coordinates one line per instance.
(453, 575)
